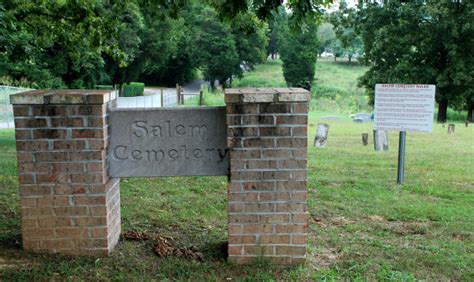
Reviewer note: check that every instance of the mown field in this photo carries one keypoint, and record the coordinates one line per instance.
(363, 225)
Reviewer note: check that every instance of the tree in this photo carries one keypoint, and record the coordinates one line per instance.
(212, 46)
(250, 41)
(299, 51)
(344, 23)
(326, 36)
(420, 42)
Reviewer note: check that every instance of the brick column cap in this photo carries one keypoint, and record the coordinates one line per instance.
(266, 95)
(65, 97)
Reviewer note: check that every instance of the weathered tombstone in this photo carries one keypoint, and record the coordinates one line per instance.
(321, 135)
(380, 140)
(330, 118)
(451, 127)
(365, 139)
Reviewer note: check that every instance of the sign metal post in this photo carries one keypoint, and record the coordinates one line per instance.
(404, 107)
(401, 157)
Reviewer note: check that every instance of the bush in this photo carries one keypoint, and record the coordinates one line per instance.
(133, 89)
(104, 87)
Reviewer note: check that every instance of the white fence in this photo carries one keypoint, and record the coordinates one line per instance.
(6, 110)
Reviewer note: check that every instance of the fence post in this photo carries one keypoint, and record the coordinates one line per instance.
(162, 99)
(200, 97)
(177, 94)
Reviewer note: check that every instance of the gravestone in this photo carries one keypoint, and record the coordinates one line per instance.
(321, 138)
(451, 127)
(365, 139)
(380, 140)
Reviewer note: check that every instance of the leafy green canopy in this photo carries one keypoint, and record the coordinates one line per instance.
(299, 51)
(428, 41)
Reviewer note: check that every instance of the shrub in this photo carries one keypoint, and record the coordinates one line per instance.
(104, 87)
(133, 89)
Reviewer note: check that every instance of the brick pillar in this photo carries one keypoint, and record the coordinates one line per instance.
(68, 203)
(267, 137)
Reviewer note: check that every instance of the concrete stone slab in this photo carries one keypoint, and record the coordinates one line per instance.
(168, 142)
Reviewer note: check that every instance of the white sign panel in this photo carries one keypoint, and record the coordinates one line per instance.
(404, 107)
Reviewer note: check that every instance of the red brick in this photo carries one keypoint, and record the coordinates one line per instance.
(276, 154)
(300, 108)
(87, 155)
(87, 133)
(245, 154)
(290, 207)
(236, 218)
(257, 228)
(291, 250)
(72, 233)
(235, 250)
(299, 131)
(291, 228)
(259, 186)
(21, 111)
(34, 145)
(275, 108)
(54, 221)
(258, 250)
(275, 131)
(35, 190)
(74, 145)
(26, 178)
(261, 164)
(52, 156)
(24, 134)
(50, 133)
(242, 239)
(242, 109)
(96, 121)
(291, 142)
(292, 120)
(274, 239)
(258, 120)
(67, 122)
(30, 122)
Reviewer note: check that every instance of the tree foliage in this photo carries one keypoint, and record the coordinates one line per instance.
(348, 42)
(429, 41)
(299, 51)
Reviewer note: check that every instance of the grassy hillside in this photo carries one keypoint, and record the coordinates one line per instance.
(334, 89)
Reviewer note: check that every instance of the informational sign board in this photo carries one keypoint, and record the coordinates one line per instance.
(404, 107)
(168, 142)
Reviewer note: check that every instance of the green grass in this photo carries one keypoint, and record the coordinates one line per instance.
(334, 89)
(363, 226)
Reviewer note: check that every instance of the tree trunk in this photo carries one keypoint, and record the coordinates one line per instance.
(470, 109)
(350, 58)
(442, 111)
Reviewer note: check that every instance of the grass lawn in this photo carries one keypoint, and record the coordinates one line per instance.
(363, 225)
